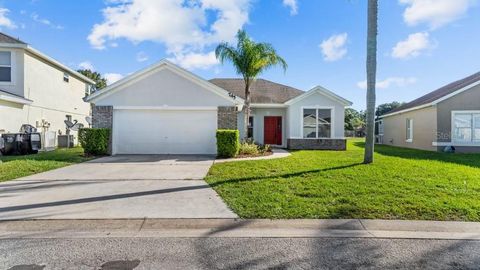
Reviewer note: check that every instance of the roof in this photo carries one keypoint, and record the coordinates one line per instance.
(7, 96)
(438, 95)
(4, 38)
(262, 91)
(322, 91)
(163, 64)
(10, 42)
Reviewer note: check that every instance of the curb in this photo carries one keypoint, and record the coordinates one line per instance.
(240, 228)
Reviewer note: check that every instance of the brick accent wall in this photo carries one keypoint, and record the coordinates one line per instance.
(227, 118)
(317, 144)
(102, 117)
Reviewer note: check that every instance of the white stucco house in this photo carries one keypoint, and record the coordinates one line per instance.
(38, 90)
(165, 109)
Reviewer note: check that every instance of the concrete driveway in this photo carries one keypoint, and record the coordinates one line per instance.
(120, 187)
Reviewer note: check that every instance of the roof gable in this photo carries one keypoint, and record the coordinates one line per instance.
(164, 64)
(439, 95)
(322, 91)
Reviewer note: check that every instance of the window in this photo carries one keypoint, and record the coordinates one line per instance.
(66, 77)
(89, 89)
(5, 67)
(466, 127)
(317, 123)
(409, 130)
(250, 127)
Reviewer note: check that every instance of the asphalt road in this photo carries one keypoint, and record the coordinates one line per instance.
(238, 253)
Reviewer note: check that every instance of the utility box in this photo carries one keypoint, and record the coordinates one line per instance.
(65, 141)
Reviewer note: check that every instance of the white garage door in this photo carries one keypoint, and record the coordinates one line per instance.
(164, 132)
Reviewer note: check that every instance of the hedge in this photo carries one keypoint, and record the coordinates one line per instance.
(94, 140)
(228, 143)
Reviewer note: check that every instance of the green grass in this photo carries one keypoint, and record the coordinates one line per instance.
(19, 166)
(401, 184)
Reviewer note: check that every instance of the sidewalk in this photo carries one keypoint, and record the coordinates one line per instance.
(239, 228)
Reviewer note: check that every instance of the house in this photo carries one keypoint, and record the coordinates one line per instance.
(165, 109)
(38, 90)
(447, 117)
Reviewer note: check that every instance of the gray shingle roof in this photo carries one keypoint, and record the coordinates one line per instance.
(439, 93)
(262, 91)
(4, 38)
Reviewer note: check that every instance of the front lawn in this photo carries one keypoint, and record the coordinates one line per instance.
(401, 184)
(19, 166)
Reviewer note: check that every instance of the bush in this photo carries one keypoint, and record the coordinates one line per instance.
(267, 148)
(94, 140)
(228, 143)
(249, 149)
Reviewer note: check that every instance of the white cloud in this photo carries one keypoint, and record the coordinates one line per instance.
(86, 65)
(142, 57)
(390, 82)
(333, 48)
(5, 21)
(186, 29)
(46, 22)
(292, 5)
(413, 46)
(195, 60)
(186, 25)
(112, 77)
(435, 13)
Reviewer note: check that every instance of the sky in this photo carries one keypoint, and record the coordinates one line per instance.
(422, 44)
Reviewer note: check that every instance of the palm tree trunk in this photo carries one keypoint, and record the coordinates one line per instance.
(246, 109)
(371, 79)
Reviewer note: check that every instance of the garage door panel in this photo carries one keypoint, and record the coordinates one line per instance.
(164, 132)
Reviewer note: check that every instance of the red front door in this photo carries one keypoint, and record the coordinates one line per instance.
(272, 130)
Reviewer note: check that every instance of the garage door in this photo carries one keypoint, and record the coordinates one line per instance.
(164, 132)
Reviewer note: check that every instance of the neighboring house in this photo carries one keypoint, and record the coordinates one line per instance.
(449, 116)
(165, 109)
(37, 90)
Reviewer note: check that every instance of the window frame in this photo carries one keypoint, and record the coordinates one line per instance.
(252, 127)
(12, 68)
(316, 108)
(66, 77)
(409, 130)
(474, 140)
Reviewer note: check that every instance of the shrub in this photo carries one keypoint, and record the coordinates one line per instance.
(228, 143)
(265, 148)
(249, 149)
(94, 140)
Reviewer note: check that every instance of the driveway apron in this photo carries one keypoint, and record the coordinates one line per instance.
(118, 187)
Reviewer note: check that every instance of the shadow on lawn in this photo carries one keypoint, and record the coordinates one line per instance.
(472, 160)
(284, 176)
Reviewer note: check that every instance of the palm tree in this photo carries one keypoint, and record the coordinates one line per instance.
(249, 59)
(371, 79)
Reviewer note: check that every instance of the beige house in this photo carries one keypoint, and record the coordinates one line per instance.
(37, 90)
(447, 117)
(165, 109)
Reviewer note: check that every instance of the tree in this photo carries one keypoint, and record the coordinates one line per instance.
(371, 79)
(249, 59)
(354, 119)
(387, 107)
(95, 76)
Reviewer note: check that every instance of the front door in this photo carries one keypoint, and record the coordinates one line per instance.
(272, 130)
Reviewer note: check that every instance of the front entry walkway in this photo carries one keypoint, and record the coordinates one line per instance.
(120, 187)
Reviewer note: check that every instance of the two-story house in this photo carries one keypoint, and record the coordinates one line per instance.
(38, 90)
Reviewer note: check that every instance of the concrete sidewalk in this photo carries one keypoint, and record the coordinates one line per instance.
(240, 228)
